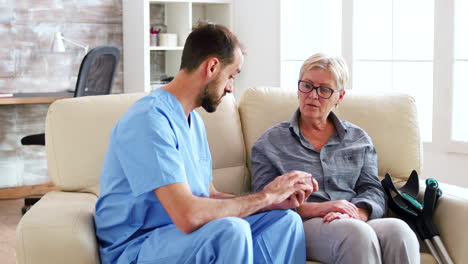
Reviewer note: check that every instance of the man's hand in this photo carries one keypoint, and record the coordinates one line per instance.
(290, 202)
(290, 189)
(302, 196)
(312, 182)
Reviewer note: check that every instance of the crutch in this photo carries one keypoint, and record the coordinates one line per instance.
(404, 203)
(426, 225)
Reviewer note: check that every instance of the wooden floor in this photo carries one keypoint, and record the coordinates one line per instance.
(10, 215)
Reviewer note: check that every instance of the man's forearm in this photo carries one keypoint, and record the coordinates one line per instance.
(223, 195)
(208, 209)
(242, 206)
(205, 209)
(190, 212)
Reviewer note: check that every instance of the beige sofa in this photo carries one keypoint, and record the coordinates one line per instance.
(59, 228)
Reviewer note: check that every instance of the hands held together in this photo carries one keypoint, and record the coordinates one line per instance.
(291, 189)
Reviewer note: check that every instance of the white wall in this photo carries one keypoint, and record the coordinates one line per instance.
(449, 168)
(257, 25)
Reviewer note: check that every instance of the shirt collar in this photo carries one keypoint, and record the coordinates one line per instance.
(339, 125)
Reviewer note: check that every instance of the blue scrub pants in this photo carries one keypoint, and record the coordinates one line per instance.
(271, 237)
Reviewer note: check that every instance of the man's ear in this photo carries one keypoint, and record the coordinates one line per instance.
(212, 66)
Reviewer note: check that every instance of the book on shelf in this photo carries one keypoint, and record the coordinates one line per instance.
(6, 95)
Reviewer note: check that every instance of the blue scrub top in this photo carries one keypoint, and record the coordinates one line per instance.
(151, 146)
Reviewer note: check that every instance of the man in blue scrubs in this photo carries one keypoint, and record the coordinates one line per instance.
(157, 202)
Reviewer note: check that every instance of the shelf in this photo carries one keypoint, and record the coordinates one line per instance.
(212, 1)
(144, 63)
(165, 48)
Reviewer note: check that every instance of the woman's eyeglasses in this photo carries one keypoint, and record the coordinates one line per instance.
(323, 92)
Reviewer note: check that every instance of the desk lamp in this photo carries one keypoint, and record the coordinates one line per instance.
(59, 45)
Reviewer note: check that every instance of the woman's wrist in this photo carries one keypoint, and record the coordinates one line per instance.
(363, 214)
(309, 209)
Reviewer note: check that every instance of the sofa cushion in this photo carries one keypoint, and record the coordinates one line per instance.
(390, 119)
(58, 229)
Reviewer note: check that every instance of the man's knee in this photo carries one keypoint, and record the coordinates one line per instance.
(232, 228)
(278, 237)
(288, 217)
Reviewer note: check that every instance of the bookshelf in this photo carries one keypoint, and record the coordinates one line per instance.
(145, 65)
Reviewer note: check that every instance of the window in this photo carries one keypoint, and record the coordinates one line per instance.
(460, 76)
(393, 51)
(307, 27)
(386, 48)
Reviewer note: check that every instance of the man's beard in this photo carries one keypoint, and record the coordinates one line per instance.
(208, 97)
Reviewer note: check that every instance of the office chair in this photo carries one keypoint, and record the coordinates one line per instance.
(96, 76)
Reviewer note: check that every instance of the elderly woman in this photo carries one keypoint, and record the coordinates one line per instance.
(342, 220)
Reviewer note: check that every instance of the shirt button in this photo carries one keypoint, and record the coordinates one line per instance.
(324, 160)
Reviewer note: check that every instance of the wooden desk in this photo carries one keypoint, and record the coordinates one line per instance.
(26, 191)
(34, 98)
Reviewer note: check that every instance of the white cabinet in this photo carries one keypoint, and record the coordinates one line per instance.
(145, 64)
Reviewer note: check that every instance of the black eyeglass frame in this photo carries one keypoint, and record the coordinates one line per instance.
(316, 88)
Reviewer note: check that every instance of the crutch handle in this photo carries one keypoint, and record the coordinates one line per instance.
(432, 183)
(430, 199)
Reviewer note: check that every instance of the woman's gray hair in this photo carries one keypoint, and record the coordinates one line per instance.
(334, 64)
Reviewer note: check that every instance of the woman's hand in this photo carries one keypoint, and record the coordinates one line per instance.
(363, 214)
(333, 216)
(339, 206)
(343, 209)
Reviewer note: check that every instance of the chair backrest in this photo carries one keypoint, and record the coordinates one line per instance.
(95, 77)
(97, 71)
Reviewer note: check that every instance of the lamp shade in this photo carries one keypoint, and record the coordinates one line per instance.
(58, 45)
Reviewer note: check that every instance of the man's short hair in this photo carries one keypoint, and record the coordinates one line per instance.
(209, 40)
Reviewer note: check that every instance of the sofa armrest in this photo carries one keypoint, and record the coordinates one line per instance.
(58, 229)
(450, 219)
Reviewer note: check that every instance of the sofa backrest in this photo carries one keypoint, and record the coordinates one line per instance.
(77, 135)
(227, 148)
(390, 119)
(78, 130)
